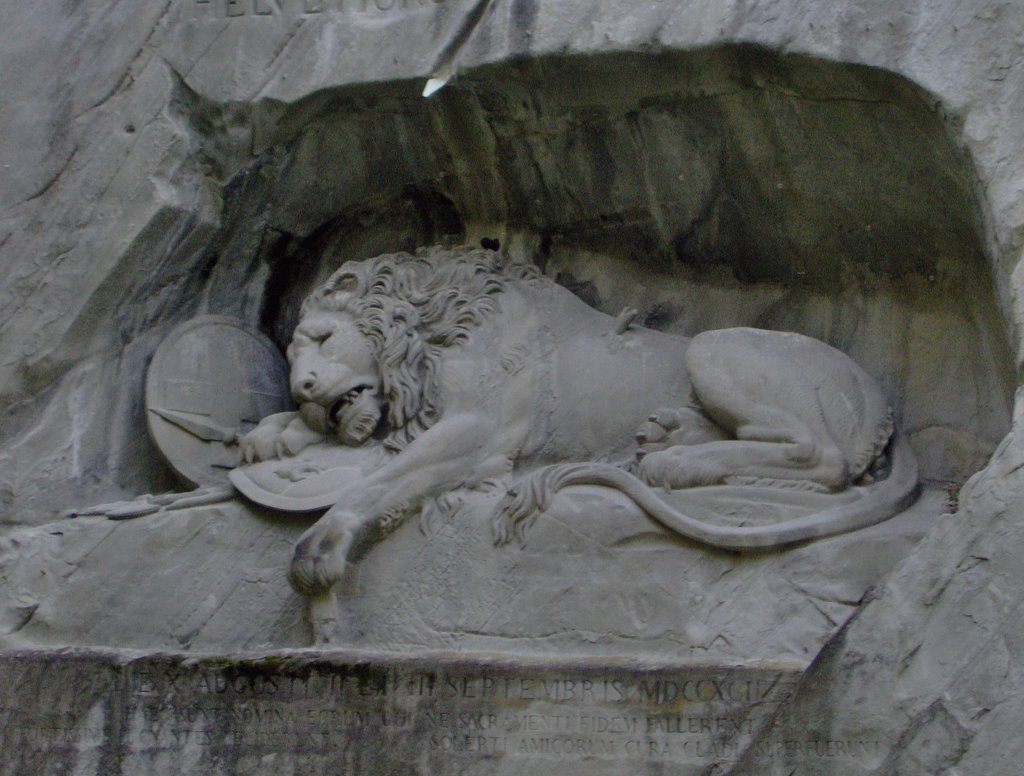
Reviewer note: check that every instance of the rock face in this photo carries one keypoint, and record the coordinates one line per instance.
(594, 578)
(847, 170)
(375, 713)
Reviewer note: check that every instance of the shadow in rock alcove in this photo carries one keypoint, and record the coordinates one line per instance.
(722, 187)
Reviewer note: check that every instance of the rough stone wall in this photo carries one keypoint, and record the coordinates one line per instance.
(216, 147)
(129, 133)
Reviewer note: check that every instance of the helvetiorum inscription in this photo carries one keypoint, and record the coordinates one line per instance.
(239, 9)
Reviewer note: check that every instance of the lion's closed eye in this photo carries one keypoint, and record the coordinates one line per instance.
(317, 337)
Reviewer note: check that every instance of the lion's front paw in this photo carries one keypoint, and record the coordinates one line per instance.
(278, 436)
(296, 438)
(260, 444)
(667, 428)
(319, 558)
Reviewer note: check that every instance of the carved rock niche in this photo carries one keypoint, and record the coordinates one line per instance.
(726, 187)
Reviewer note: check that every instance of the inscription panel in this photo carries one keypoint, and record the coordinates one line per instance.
(331, 715)
(241, 9)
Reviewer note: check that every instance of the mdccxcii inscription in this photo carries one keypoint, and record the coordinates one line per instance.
(320, 715)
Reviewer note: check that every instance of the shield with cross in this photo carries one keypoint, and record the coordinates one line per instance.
(211, 380)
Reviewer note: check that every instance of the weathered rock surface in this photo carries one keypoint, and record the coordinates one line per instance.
(594, 577)
(933, 661)
(217, 149)
(849, 170)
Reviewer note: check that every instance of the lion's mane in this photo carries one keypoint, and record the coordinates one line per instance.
(411, 308)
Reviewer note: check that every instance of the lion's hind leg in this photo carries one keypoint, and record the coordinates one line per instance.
(771, 446)
(742, 462)
(749, 383)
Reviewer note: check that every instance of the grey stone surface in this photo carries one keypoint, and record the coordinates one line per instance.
(595, 577)
(191, 189)
(303, 713)
(711, 164)
(933, 660)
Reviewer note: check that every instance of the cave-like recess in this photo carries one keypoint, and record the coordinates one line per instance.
(721, 187)
(707, 189)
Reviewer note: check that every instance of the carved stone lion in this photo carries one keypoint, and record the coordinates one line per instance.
(467, 368)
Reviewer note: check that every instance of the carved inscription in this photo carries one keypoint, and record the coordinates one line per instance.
(238, 9)
(329, 715)
(695, 718)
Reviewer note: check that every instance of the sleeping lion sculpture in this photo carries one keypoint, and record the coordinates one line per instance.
(467, 368)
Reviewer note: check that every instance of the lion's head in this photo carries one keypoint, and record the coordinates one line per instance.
(369, 341)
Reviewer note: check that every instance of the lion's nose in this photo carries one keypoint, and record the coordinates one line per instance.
(302, 390)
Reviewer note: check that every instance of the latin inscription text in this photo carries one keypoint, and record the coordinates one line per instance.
(239, 9)
(691, 718)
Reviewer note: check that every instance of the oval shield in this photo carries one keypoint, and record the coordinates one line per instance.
(211, 380)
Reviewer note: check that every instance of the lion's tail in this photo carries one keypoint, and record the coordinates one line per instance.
(880, 501)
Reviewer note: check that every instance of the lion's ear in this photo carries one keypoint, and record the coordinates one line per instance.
(347, 281)
(344, 281)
